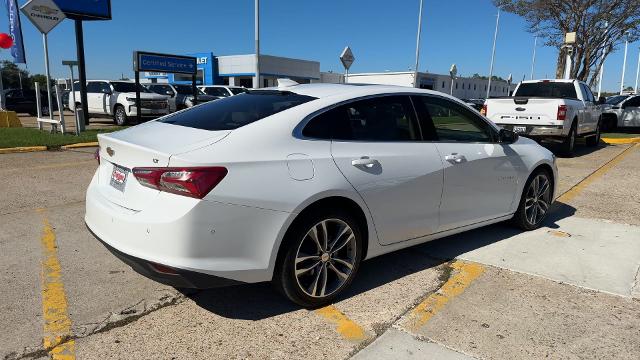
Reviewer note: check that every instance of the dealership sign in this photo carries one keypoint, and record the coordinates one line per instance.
(347, 57)
(86, 9)
(153, 62)
(44, 14)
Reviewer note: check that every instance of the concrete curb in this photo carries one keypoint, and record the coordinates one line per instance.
(615, 141)
(22, 149)
(80, 145)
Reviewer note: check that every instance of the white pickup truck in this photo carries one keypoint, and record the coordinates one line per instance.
(549, 110)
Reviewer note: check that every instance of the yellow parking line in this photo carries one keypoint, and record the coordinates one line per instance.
(57, 324)
(345, 326)
(464, 274)
(80, 145)
(579, 187)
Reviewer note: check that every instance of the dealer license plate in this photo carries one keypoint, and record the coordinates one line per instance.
(119, 177)
(520, 129)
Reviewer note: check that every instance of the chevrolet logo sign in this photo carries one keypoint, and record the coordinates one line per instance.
(110, 151)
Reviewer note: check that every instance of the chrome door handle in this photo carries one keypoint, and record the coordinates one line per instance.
(455, 158)
(364, 161)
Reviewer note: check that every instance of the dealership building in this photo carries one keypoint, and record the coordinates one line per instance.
(463, 88)
(239, 70)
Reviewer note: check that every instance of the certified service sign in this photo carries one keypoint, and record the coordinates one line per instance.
(44, 14)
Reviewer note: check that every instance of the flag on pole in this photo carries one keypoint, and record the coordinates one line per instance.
(15, 30)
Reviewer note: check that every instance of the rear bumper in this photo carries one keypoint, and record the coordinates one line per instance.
(224, 240)
(537, 130)
(177, 278)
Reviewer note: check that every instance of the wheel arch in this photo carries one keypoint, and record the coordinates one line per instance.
(330, 201)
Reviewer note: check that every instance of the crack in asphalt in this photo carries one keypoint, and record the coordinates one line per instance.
(112, 321)
(636, 283)
(445, 270)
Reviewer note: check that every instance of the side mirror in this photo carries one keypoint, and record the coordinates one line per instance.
(507, 136)
(602, 100)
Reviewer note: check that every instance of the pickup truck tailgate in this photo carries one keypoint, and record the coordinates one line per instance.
(530, 111)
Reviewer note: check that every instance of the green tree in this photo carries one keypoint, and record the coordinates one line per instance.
(12, 75)
(600, 26)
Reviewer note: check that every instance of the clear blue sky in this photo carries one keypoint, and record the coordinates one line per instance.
(380, 32)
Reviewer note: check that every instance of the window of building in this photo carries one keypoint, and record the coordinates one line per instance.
(443, 84)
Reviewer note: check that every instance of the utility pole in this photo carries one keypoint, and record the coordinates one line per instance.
(493, 53)
(533, 61)
(257, 37)
(624, 64)
(415, 77)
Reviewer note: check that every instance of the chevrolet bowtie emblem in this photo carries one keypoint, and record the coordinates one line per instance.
(110, 151)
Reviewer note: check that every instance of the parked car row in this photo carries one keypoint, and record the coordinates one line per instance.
(24, 101)
(117, 99)
(622, 111)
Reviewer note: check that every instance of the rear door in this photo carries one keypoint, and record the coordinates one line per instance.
(480, 175)
(590, 117)
(377, 145)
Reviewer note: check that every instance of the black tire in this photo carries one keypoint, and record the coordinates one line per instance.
(568, 145)
(298, 243)
(594, 140)
(120, 116)
(522, 217)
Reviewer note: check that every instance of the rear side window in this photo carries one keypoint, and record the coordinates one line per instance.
(216, 91)
(236, 111)
(633, 102)
(557, 90)
(386, 118)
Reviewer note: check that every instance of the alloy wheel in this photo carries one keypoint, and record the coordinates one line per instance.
(325, 258)
(537, 199)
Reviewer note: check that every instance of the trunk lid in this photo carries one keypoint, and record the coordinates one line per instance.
(147, 145)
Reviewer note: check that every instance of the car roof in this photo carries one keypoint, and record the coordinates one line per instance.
(325, 90)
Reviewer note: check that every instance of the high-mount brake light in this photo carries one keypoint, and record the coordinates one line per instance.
(195, 182)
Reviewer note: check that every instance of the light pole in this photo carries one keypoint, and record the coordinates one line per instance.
(533, 61)
(624, 63)
(637, 73)
(493, 53)
(257, 37)
(604, 53)
(415, 77)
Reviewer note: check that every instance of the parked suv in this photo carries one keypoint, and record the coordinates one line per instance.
(24, 101)
(622, 111)
(117, 99)
(180, 95)
(222, 90)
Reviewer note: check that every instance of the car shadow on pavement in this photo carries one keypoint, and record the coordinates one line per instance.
(261, 301)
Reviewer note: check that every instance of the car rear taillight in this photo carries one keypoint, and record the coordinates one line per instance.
(96, 155)
(484, 110)
(194, 182)
(562, 112)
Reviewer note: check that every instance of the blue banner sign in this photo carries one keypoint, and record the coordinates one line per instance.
(164, 63)
(15, 30)
(85, 9)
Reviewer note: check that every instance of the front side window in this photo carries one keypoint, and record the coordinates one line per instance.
(236, 91)
(453, 122)
(633, 102)
(236, 111)
(127, 87)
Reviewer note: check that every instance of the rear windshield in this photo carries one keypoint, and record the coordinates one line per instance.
(559, 90)
(615, 100)
(236, 111)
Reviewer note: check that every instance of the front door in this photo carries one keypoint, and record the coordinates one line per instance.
(377, 146)
(480, 175)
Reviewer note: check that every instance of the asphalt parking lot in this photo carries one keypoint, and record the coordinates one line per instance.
(568, 290)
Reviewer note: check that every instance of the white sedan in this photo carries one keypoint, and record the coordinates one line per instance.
(299, 184)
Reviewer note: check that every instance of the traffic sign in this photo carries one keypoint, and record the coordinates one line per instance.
(453, 71)
(44, 14)
(347, 58)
